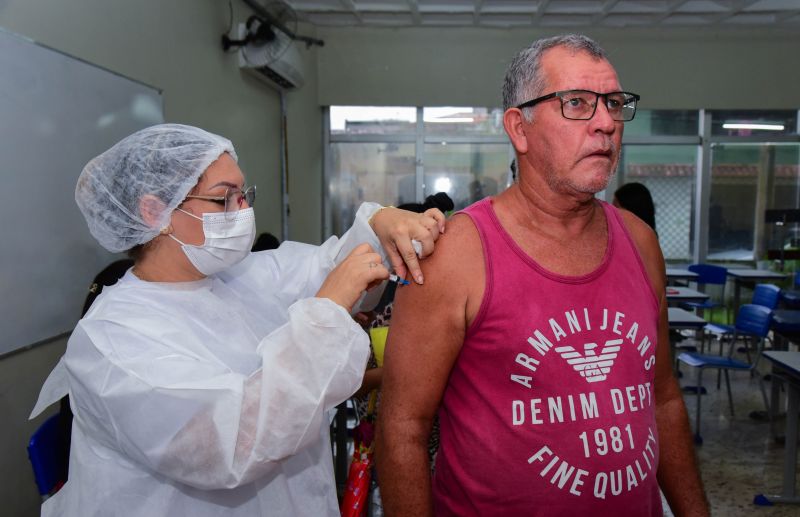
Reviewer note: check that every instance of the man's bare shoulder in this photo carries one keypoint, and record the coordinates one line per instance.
(454, 277)
(646, 242)
(458, 252)
(643, 236)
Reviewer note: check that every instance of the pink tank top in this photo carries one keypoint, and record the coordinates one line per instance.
(550, 409)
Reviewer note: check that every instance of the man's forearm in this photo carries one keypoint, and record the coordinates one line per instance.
(403, 474)
(678, 473)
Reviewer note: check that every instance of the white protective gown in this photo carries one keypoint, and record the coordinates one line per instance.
(209, 398)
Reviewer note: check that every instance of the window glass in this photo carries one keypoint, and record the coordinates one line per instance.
(463, 121)
(668, 171)
(359, 120)
(747, 179)
(751, 123)
(466, 172)
(381, 172)
(663, 123)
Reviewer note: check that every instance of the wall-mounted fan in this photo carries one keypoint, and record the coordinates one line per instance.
(273, 28)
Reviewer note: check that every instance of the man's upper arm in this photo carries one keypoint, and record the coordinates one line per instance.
(650, 251)
(429, 322)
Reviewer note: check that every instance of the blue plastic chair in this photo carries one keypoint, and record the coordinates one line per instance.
(767, 295)
(708, 274)
(752, 321)
(44, 451)
(791, 297)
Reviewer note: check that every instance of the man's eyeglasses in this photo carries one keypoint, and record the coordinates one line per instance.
(582, 104)
(233, 199)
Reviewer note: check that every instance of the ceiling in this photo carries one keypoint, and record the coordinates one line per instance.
(549, 13)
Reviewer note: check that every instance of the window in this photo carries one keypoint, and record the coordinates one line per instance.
(369, 172)
(466, 172)
(463, 121)
(372, 120)
(745, 123)
(668, 171)
(746, 180)
(396, 155)
(663, 123)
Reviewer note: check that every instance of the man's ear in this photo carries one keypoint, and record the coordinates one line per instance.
(514, 123)
(151, 208)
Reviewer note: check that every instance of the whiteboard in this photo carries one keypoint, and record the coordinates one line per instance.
(56, 113)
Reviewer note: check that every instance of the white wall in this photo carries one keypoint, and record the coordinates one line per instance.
(678, 69)
(173, 45)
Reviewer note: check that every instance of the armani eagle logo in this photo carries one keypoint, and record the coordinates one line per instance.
(591, 366)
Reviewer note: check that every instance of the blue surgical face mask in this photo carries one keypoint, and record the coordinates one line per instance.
(228, 240)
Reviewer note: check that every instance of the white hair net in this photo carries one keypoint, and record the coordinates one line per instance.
(165, 161)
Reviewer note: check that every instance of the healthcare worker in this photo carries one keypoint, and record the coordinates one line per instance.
(200, 382)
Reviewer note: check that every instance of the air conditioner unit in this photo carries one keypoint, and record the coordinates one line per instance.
(277, 63)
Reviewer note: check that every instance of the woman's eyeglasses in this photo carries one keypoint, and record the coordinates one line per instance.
(233, 199)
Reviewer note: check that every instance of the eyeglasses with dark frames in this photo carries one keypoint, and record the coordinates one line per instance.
(233, 199)
(582, 104)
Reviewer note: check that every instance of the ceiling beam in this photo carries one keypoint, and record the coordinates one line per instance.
(736, 7)
(540, 9)
(599, 17)
(351, 7)
(413, 6)
(476, 14)
(774, 17)
(781, 17)
(672, 7)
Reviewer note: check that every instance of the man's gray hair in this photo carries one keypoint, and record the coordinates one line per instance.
(524, 81)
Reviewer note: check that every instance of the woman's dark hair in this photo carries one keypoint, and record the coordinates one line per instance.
(108, 276)
(635, 198)
(266, 241)
(439, 200)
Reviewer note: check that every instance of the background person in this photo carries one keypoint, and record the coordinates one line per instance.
(545, 307)
(635, 198)
(440, 201)
(200, 382)
(265, 241)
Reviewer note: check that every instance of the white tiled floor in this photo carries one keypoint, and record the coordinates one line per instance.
(738, 459)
